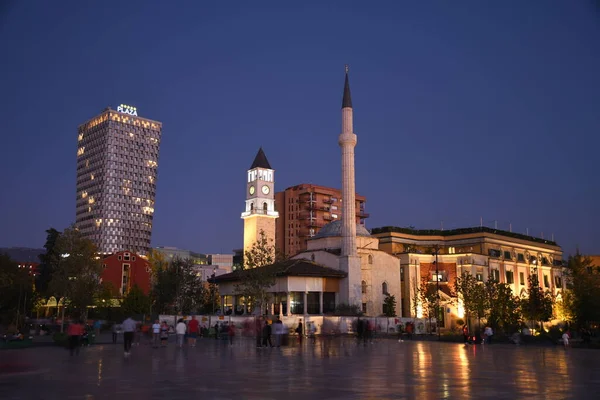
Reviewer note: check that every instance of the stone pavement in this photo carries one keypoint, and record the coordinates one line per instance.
(327, 369)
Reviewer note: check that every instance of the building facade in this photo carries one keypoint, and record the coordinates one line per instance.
(482, 252)
(259, 214)
(117, 162)
(124, 270)
(304, 209)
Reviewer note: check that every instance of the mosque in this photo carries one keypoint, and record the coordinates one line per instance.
(342, 264)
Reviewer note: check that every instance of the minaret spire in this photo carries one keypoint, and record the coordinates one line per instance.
(347, 99)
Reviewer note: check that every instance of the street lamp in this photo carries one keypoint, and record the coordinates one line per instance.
(437, 292)
(213, 289)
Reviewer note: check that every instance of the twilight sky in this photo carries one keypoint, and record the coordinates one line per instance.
(462, 109)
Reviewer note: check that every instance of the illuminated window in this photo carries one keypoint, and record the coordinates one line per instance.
(92, 176)
(80, 151)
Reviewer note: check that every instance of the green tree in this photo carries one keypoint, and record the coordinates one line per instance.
(584, 283)
(256, 280)
(429, 297)
(473, 295)
(136, 302)
(76, 277)
(177, 289)
(16, 292)
(48, 262)
(537, 306)
(504, 308)
(389, 305)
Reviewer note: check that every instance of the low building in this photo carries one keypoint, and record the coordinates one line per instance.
(301, 287)
(126, 269)
(481, 251)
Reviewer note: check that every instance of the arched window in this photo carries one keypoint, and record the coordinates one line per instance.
(370, 258)
(251, 206)
(312, 257)
(265, 207)
(363, 286)
(384, 288)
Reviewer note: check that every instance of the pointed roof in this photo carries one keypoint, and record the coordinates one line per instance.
(347, 100)
(260, 161)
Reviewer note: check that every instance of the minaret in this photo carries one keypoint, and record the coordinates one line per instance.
(350, 287)
(347, 141)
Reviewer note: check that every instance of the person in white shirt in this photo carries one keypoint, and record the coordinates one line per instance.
(180, 330)
(129, 326)
(155, 333)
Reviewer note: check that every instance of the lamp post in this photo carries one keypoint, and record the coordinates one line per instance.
(437, 291)
(214, 297)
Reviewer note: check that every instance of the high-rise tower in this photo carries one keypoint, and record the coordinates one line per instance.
(260, 211)
(349, 259)
(117, 161)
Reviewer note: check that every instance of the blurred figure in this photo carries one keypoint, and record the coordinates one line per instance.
(75, 332)
(193, 329)
(129, 327)
(180, 329)
(155, 333)
(164, 334)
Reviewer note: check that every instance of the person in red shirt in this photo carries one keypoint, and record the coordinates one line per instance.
(193, 329)
(75, 332)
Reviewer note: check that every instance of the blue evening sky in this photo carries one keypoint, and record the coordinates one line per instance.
(463, 109)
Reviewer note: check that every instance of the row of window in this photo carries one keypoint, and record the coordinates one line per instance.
(384, 287)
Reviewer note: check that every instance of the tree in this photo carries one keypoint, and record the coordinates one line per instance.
(473, 295)
(49, 261)
(583, 305)
(504, 308)
(537, 306)
(429, 298)
(16, 291)
(256, 280)
(76, 276)
(177, 289)
(389, 305)
(136, 302)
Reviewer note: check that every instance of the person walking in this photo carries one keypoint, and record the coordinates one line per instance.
(129, 326)
(300, 331)
(488, 332)
(278, 332)
(266, 335)
(258, 331)
(180, 329)
(465, 332)
(115, 332)
(193, 329)
(565, 337)
(164, 334)
(155, 333)
(75, 332)
(231, 333)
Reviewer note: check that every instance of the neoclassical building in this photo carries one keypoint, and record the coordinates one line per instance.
(482, 252)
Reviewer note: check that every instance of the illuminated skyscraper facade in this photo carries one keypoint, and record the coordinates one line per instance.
(117, 164)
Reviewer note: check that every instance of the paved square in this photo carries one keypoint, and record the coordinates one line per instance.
(327, 369)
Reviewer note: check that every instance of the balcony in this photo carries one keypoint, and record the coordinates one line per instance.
(362, 214)
(327, 217)
(328, 201)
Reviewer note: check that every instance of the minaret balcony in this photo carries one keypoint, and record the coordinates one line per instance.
(260, 212)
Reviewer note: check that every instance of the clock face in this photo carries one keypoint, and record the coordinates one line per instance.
(265, 189)
(251, 190)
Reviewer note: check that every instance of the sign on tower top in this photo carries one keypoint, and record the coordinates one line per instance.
(125, 109)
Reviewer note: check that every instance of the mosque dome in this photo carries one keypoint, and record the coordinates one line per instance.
(334, 229)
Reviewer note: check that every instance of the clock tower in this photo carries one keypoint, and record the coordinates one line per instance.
(260, 211)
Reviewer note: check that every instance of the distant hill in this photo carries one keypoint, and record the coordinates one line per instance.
(23, 254)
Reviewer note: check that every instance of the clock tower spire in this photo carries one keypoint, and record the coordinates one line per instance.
(260, 214)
